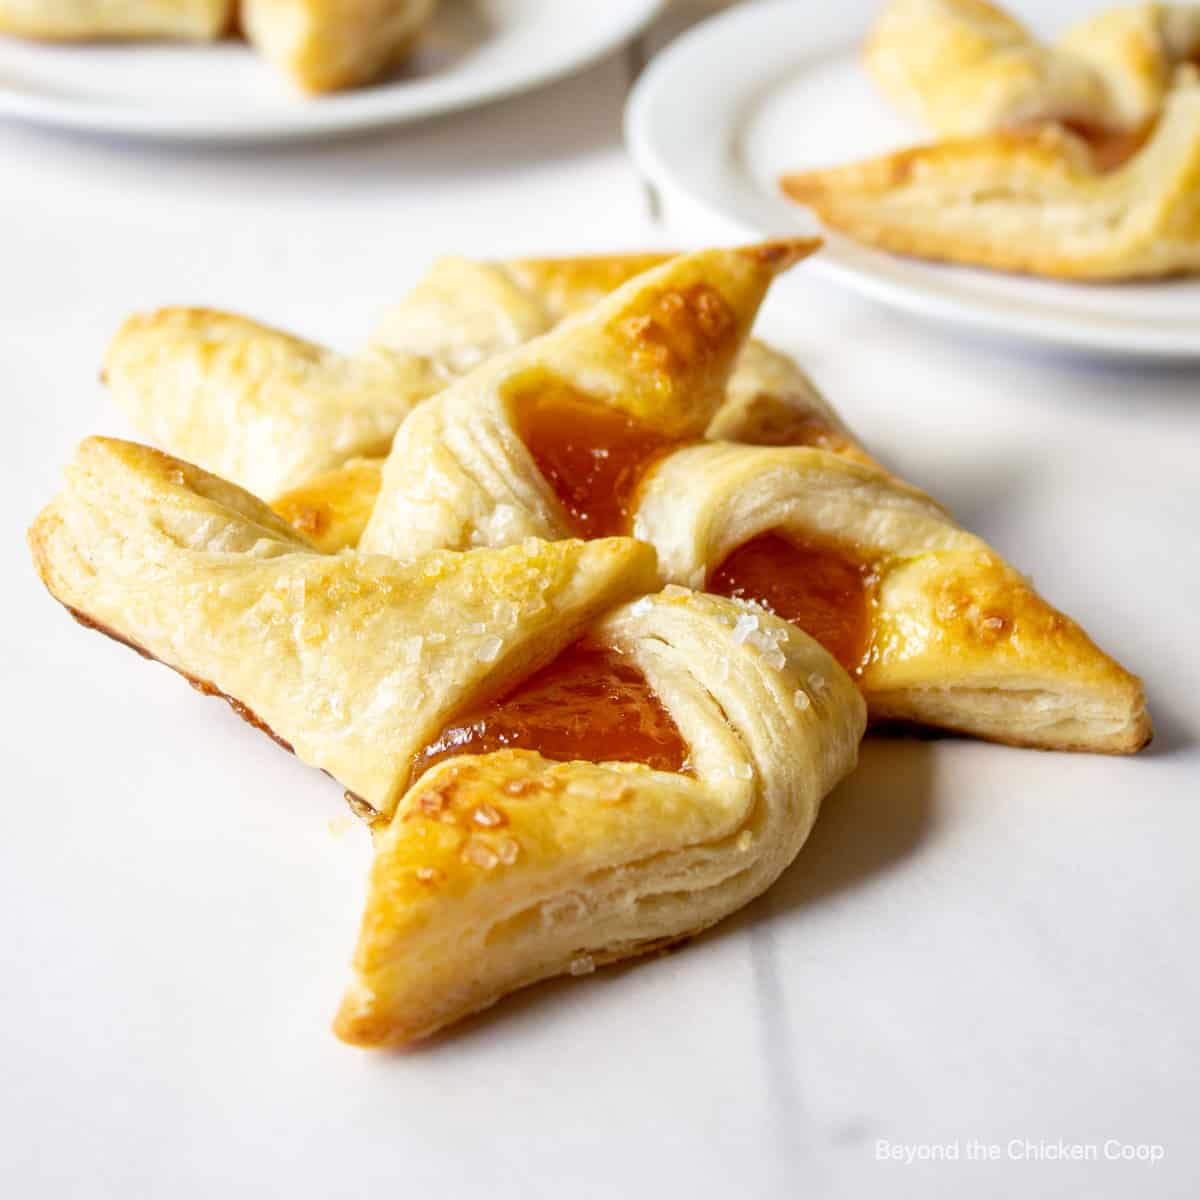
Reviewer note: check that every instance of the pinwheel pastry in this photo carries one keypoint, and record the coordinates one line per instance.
(592, 430)
(323, 45)
(561, 769)
(1077, 161)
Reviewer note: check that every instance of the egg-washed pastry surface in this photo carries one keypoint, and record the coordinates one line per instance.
(335, 655)
(86, 20)
(259, 407)
(547, 442)
(1030, 201)
(557, 776)
(281, 416)
(508, 866)
(769, 401)
(322, 45)
(1075, 161)
(934, 625)
(563, 427)
(964, 67)
(328, 45)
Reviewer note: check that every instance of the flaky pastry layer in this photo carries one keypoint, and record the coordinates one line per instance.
(1031, 202)
(577, 864)
(958, 639)
(351, 660)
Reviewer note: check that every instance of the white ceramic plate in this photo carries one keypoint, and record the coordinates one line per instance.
(474, 51)
(769, 87)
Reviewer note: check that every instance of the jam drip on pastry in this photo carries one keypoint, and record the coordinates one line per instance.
(590, 704)
(821, 588)
(593, 457)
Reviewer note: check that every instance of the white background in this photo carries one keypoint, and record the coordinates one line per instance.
(976, 943)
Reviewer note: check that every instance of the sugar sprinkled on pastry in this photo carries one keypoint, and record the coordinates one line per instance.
(934, 625)
(350, 660)
(576, 846)
(551, 441)
(293, 422)
(642, 371)
(557, 777)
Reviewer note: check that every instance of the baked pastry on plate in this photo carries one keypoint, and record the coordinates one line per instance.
(322, 45)
(95, 20)
(328, 45)
(557, 777)
(963, 67)
(1078, 161)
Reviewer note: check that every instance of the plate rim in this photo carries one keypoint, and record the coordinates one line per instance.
(660, 85)
(339, 113)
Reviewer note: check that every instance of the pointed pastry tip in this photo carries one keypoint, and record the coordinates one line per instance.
(779, 254)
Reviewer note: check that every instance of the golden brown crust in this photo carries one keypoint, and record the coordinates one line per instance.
(332, 509)
(1031, 202)
(103, 20)
(253, 404)
(958, 638)
(965, 67)
(346, 657)
(329, 45)
(491, 870)
(580, 863)
(659, 351)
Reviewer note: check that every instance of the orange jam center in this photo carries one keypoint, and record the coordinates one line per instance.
(1111, 148)
(822, 589)
(593, 457)
(589, 704)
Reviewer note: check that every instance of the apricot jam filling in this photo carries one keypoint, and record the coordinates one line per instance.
(822, 588)
(590, 704)
(1112, 148)
(594, 458)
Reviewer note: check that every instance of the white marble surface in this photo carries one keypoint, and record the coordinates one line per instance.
(978, 943)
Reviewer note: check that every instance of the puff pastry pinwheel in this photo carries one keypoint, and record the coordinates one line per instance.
(557, 777)
(1077, 161)
(554, 440)
(256, 406)
(77, 20)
